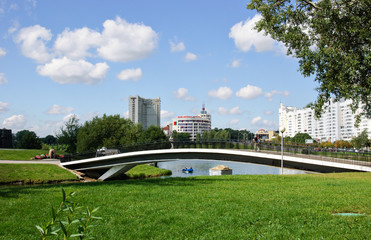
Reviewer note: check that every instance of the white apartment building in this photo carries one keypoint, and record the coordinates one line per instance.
(145, 111)
(192, 124)
(336, 123)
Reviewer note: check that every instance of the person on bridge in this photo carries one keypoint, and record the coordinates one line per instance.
(256, 143)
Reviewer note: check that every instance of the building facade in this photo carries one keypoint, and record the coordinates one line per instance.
(193, 124)
(145, 111)
(336, 123)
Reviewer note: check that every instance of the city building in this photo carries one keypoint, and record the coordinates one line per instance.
(265, 135)
(145, 111)
(192, 124)
(6, 138)
(336, 123)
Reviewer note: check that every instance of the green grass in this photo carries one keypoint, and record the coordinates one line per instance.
(145, 171)
(33, 173)
(220, 207)
(21, 154)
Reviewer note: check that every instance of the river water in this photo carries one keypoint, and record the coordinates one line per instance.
(201, 168)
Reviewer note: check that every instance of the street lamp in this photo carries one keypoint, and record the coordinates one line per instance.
(282, 130)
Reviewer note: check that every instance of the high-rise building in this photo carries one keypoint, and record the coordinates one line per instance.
(336, 123)
(6, 138)
(193, 124)
(145, 111)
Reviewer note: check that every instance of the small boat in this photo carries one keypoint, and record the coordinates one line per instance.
(187, 170)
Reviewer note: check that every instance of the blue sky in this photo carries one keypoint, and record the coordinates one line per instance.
(86, 58)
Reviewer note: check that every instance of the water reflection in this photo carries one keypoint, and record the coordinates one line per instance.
(201, 168)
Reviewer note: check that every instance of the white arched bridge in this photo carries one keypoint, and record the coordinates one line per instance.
(110, 166)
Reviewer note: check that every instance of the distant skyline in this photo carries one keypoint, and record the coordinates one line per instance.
(86, 58)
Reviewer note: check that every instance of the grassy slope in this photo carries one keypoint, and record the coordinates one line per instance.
(33, 173)
(220, 207)
(21, 154)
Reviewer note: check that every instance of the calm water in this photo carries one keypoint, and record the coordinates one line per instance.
(201, 168)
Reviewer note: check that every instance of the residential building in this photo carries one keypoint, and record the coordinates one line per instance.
(145, 111)
(336, 123)
(193, 124)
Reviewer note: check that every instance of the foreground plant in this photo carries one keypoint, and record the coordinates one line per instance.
(66, 217)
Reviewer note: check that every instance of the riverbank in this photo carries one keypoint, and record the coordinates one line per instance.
(223, 207)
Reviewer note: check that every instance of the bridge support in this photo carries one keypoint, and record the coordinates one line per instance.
(116, 170)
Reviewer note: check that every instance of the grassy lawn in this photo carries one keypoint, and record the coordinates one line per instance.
(143, 171)
(220, 207)
(21, 154)
(34, 173)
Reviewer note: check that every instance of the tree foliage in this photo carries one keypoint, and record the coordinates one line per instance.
(362, 140)
(300, 138)
(107, 131)
(153, 134)
(180, 136)
(331, 39)
(50, 140)
(26, 139)
(68, 134)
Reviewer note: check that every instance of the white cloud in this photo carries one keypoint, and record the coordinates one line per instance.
(166, 115)
(123, 41)
(2, 52)
(177, 47)
(3, 107)
(222, 93)
(47, 128)
(32, 40)
(69, 116)
(15, 122)
(249, 92)
(245, 36)
(190, 57)
(268, 112)
(57, 109)
(270, 95)
(182, 93)
(255, 120)
(130, 74)
(236, 63)
(263, 123)
(234, 122)
(64, 70)
(126, 114)
(3, 79)
(75, 44)
(234, 111)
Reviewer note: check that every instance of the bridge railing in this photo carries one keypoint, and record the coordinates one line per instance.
(309, 152)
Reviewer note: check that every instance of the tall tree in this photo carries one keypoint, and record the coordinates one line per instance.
(331, 39)
(362, 140)
(300, 138)
(153, 134)
(26, 139)
(68, 134)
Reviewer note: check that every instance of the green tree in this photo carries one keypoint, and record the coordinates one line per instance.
(107, 131)
(68, 134)
(300, 138)
(342, 144)
(153, 134)
(26, 139)
(331, 39)
(181, 136)
(50, 140)
(362, 140)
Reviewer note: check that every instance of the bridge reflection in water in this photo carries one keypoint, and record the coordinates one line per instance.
(109, 166)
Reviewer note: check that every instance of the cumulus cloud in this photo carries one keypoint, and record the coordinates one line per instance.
(123, 41)
(130, 74)
(32, 40)
(190, 57)
(263, 123)
(236, 63)
(69, 116)
(177, 46)
(3, 107)
(222, 93)
(182, 93)
(269, 95)
(3, 79)
(245, 36)
(126, 114)
(166, 115)
(2, 52)
(249, 92)
(15, 122)
(234, 122)
(76, 43)
(234, 111)
(268, 112)
(57, 109)
(64, 70)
